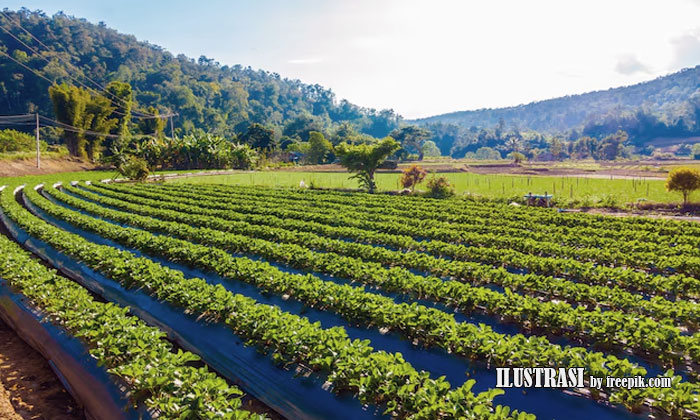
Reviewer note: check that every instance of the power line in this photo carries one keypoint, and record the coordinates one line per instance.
(143, 115)
(38, 54)
(49, 122)
(17, 124)
(68, 63)
(72, 128)
(53, 82)
(68, 127)
(36, 72)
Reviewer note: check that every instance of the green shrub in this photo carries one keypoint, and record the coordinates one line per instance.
(134, 168)
(440, 187)
(243, 157)
(17, 141)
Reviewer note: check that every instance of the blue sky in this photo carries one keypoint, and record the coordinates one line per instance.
(421, 57)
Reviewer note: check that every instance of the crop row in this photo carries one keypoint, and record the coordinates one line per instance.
(463, 211)
(611, 327)
(155, 375)
(491, 253)
(523, 225)
(374, 377)
(662, 256)
(187, 211)
(426, 326)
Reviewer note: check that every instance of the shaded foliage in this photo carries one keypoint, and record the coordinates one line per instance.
(218, 98)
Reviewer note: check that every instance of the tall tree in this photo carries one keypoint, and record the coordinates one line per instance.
(119, 93)
(69, 104)
(98, 119)
(75, 107)
(412, 138)
(364, 159)
(611, 146)
(259, 137)
(152, 126)
(301, 126)
(319, 148)
(683, 180)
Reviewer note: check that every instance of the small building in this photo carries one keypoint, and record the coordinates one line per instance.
(539, 200)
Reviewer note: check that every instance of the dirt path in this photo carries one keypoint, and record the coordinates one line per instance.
(621, 213)
(28, 387)
(48, 166)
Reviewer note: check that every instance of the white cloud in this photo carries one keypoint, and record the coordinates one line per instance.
(628, 64)
(686, 50)
(423, 57)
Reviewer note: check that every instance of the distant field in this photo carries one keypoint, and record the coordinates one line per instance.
(494, 186)
(584, 190)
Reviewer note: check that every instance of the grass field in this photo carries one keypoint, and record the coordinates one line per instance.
(565, 189)
(593, 190)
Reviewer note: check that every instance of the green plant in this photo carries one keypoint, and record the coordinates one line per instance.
(343, 300)
(154, 373)
(364, 159)
(440, 187)
(17, 141)
(410, 177)
(374, 377)
(517, 157)
(683, 180)
(134, 168)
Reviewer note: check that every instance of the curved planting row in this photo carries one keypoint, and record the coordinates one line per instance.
(660, 258)
(376, 378)
(426, 326)
(460, 211)
(681, 311)
(156, 376)
(603, 328)
(590, 272)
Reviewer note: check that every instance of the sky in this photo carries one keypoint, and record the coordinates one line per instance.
(420, 57)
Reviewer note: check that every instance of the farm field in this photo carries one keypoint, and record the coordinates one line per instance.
(328, 304)
(585, 190)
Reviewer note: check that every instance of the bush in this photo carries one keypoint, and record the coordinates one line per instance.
(16, 141)
(517, 157)
(440, 187)
(412, 176)
(487, 153)
(134, 168)
(243, 157)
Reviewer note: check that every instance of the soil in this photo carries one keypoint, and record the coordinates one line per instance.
(606, 171)
(654, 215)
(48, 166)
(29, 389)
(615, 170)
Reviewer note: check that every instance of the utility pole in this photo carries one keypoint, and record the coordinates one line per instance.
(172, 130)
(38, 152)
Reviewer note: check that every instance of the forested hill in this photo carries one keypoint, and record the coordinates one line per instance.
(670, 99)
(207, 95)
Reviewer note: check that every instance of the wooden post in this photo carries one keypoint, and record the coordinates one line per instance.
(38, 151)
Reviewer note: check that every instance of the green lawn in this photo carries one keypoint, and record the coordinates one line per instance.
(586, 191)
(593, 190)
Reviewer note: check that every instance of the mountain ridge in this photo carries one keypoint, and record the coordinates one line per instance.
(207, 95)
(661, 96)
